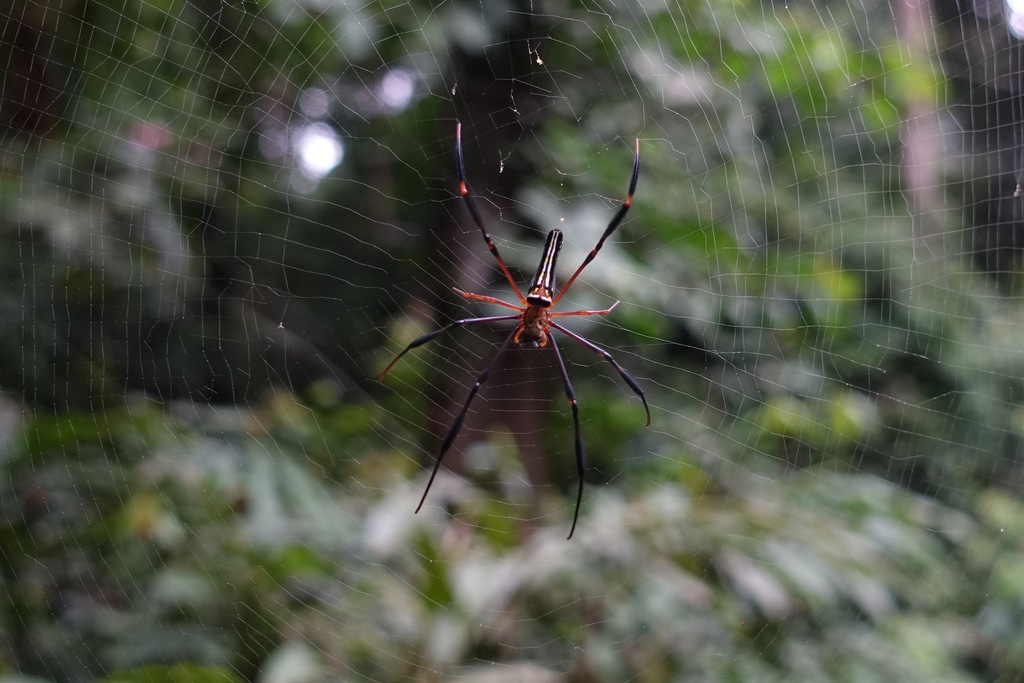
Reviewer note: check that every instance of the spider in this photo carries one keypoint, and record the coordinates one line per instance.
(534, 320)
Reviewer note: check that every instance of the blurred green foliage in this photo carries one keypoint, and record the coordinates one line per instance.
(201, 541)
(200, 481)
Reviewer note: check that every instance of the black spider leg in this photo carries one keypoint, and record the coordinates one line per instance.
(612, 225)
(453, 431)
(580, 460)
(475, 214)
(623, 373)
(431, 336)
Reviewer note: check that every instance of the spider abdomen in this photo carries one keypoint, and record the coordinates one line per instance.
(542, 289)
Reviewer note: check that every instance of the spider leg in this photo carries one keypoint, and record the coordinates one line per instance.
(627, 378)
(464, 191)
(605, 311)
(453, 431)
(483, 297)
(619, 215)
(431, 336)
(580, 462)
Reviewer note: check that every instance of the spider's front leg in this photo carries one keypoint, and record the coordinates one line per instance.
(623, 373)
(431, 336)
(453, 431)
(580, 458)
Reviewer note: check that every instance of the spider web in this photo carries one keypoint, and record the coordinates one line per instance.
(223, 219)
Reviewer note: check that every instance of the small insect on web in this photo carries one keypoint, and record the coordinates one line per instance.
(534, 320)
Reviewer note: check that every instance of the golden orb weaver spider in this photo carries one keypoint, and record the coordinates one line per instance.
(534, 320)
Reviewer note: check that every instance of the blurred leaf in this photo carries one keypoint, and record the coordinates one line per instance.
(178, 673)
